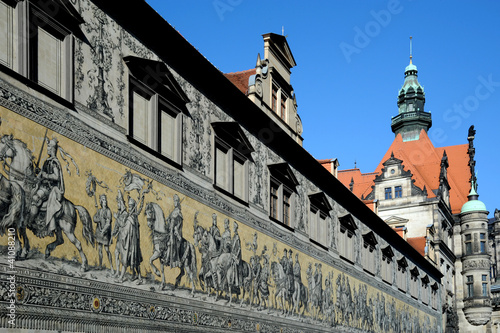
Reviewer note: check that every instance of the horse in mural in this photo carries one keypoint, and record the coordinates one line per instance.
(207, 247)
(282, 294)
(18, 189)
(218, 271)
(160, 236)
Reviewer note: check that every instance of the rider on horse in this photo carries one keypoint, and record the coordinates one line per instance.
(50, 188)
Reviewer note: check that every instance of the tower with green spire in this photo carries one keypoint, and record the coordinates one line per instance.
(412, 118)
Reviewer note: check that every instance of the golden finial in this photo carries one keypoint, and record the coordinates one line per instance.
(410, 50)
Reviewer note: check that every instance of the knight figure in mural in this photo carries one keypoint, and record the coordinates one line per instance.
(169, 245)
(50, 188)
(41, 192)
(103, 219)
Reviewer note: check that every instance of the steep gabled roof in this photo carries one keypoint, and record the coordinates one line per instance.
(424, 161)
(240, 79)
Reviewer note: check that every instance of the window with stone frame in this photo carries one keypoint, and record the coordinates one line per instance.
(156, 108)
(319, 219)
(274, 99)
(468, 244)
(469, 283)
(8, 33)
(485, 291)
(282, 194)
(347, 237)
(401, 274)
(482, 242)
(398, 192)
(388, 193)
(414, 282)
(368, 255)
(387, 264)
(232, 156)
(283, 107)
(37, 44)
(425, 290)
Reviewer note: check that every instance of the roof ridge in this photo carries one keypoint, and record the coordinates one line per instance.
(240, 72)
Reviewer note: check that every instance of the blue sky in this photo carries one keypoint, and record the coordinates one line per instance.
(350, 59)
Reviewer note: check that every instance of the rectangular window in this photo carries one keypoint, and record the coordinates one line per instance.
(222, 167)
(50, 54)
(470, 286)
(468, 244)
(282, 183)
(6, 34)
(283, 107)
(410, 107)
(142, 117)
(482, 237)
(239, 178)
(153, 123)
(388, 193)
(286, 206)
(274, 200)
(274, 101)
(169, 133)
(485, 285)
(398, 192)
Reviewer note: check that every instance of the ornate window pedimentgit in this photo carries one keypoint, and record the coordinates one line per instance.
(347, 224)
(402, 264)
(156, 76)
(425, 280)
(414, 273)
(320, 201)
(284, 174)
(369, 241)
(387, 254)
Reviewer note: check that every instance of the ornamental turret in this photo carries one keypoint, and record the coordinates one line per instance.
(475, 255)
(411, 118)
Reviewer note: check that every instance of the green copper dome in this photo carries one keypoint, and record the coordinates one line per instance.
(473, 205)
(410, 67)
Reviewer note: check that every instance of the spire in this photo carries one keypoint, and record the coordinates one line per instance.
(411, 118)
(410, 51)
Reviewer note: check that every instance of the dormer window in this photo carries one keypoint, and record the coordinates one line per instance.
(347, 237)
(232, 155)
(319, 216)
(156, 105)
(282, 184)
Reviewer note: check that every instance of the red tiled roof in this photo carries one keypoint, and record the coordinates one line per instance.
(423, 160)
(418, 243)
(362, 181)
(240, 79)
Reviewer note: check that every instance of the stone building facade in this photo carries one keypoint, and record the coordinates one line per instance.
(143, 191)
(428, 196)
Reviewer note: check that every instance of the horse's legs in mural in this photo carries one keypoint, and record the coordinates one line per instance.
(156, 255)
(69, 229)
(163, 283)
(179, 277)
(25, 247)
(59, 240)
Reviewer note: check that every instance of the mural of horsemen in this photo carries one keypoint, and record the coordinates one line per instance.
(186, 248)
